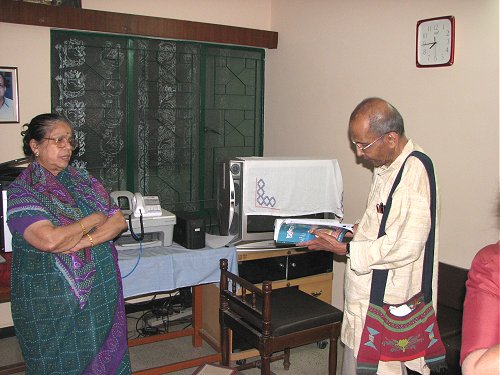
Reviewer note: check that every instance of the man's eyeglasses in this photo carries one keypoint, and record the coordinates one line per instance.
(363, 147)
(62, 141)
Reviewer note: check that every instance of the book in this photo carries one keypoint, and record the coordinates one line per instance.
(293, 231)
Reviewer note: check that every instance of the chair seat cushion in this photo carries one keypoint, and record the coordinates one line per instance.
(293, 310)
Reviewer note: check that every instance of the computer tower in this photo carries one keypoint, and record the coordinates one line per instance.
(189, 231)
(8, 173)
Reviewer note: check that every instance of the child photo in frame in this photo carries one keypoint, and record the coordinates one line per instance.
(9, 99)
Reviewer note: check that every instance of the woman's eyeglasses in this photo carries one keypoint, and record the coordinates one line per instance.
(62, 141)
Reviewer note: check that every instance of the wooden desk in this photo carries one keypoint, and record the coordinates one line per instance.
(169, 268)
(194, 331)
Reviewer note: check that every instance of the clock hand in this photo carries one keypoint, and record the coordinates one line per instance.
(433, 44)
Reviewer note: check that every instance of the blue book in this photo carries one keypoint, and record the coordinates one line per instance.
(293, 233)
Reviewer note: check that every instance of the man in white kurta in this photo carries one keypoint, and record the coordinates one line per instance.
(377, 131)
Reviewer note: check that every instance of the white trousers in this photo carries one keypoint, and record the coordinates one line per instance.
(349, 363)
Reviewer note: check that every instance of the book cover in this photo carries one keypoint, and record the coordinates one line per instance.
(295, 232)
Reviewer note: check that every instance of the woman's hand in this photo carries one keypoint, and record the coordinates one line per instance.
(92, 221)
(45, 236)
(107, 231)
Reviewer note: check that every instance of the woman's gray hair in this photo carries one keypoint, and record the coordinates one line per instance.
(38, 128)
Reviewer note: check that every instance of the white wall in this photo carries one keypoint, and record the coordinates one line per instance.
(33, 68)
(255, 14)
(333, 53)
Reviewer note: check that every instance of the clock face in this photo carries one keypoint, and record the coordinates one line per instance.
(435, 41)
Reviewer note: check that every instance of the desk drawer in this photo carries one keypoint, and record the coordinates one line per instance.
(259, 270)
(309, 263)
(289, 267)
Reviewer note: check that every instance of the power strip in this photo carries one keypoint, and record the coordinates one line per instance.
(176, 316)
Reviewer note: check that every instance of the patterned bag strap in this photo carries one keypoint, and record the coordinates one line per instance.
(379, 278)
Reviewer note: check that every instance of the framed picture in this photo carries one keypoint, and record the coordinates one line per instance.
(9, 95)
(64, 3)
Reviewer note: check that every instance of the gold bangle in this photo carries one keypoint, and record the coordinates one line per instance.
(84, 230)
(90, 239)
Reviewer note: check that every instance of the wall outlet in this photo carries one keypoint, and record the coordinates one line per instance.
(175, 316)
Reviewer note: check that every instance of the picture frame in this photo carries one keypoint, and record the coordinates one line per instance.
(9, 95)
(64, 3)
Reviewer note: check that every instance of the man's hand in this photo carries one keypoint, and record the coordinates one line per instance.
(325, 242)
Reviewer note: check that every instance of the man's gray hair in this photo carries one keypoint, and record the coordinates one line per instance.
(383, 116)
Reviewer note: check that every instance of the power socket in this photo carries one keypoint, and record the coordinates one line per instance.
(149, 331)
(154, 322)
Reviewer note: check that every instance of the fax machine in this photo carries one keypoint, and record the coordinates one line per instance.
(147, 222)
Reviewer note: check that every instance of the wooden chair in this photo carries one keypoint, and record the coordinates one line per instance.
(274, 320)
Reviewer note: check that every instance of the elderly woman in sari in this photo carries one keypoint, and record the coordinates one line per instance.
(66, 291)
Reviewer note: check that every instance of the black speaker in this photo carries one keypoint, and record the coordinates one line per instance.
(189, 230)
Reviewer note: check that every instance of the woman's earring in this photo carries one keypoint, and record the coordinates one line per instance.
(36, 154)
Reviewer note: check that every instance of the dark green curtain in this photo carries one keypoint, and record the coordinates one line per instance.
(157, 116)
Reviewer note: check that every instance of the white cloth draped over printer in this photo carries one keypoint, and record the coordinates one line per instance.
(292, 187)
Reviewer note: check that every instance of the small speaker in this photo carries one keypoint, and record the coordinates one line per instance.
(189, 230)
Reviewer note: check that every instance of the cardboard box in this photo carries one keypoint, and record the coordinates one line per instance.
(211, 369)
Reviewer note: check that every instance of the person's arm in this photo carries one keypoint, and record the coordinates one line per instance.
(480, 322)
(45, 236)
(111, 228)
(482, 362)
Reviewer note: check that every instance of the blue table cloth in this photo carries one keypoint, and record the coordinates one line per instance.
(169, 268)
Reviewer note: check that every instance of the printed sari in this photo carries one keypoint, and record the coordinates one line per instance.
(68, 310)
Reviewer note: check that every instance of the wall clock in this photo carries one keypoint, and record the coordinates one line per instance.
(435, 42)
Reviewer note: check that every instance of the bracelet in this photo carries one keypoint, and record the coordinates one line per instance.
(90, 239)
(84, 230)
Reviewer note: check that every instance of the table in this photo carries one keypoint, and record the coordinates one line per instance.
(163, 269)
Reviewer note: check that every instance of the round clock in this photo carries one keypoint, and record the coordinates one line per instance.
(435, 41)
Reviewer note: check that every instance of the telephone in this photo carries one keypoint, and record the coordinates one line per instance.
(136, 204)
(148, 223)
(146, 206)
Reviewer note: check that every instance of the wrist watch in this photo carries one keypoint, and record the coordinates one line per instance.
(348, 250)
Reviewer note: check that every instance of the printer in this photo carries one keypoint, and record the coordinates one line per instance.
(147, 221)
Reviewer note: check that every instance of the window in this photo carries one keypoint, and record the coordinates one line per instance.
(157, 116)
